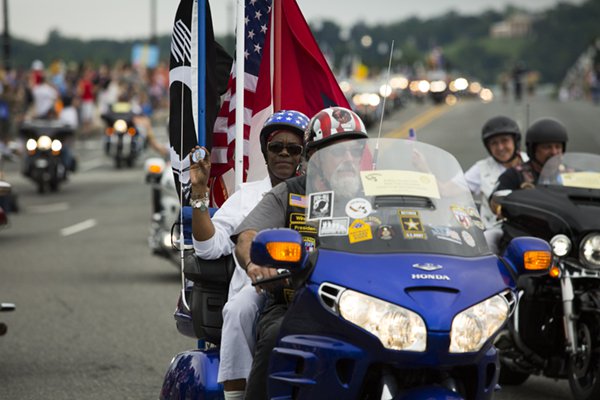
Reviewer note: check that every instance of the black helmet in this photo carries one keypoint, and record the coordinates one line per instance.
(289, 120)
(331, 124)
(501, 125)
(545, 130)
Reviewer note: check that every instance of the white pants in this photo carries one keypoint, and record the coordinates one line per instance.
(238, 335)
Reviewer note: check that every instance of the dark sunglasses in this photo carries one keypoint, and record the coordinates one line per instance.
(292, 148)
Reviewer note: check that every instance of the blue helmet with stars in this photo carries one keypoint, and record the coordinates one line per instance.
(288, 120)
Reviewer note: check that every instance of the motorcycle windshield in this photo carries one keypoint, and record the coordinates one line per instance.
(580, 170)
(391, 196)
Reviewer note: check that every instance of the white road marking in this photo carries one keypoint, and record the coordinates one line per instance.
(70, 230)
(48, 208)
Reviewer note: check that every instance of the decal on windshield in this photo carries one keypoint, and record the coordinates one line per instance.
(358, 208)
(445, 233)
(461, 216)
(475, 217)
(402, 183)
(385, 232)
(359, 231)
(590, 180)
(320, 205)
(468, 238)
(412, 228)
(333, 226)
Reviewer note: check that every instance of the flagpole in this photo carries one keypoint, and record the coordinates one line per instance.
(201, 72)
(239, 97)
(276, 53)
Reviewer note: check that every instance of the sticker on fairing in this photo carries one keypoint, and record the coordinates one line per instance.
(468, 238)
(475, 217)
(334, 226)
(320, 205)
(359, 231)
(358, 208)
(385, 232)
(373, 220)
(412, 228)
(445, 233)
(461, 216)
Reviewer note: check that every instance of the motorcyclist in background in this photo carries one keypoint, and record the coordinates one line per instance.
(501, 137)
(281, 140)
(544, 139)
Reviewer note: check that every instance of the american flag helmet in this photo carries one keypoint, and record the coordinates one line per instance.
(288, 120)
(333, 123)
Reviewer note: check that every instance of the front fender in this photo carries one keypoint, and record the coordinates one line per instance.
(193, 375)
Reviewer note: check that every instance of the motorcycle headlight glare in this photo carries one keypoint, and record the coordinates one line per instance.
(44, 142)
(475, 325)
(56, 145)
(590, 250)
(397, 328)
(120, 125)
(31, 145)
(561, 245)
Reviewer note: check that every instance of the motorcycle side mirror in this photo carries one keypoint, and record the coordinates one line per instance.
(529, 256)
(279, 248)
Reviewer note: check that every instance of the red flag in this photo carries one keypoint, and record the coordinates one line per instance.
(307, 85)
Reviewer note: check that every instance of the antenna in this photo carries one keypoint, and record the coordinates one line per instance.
(387, 85)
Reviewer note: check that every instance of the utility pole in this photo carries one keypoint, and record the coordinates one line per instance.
(6, 37)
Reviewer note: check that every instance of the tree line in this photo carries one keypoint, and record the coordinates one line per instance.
(558, 36)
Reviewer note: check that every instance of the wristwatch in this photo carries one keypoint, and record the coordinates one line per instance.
(201, 203)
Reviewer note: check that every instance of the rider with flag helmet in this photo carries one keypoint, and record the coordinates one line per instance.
(281, 140)
(279, 208)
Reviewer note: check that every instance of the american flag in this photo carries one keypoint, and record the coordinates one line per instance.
(257, 15)
(306, 85)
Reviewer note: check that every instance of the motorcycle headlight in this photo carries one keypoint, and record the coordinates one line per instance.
(56, 145)
(561, 245)
(31, 145)
(590, 250)
(44, 142)
(120, 125)
(475, 325)
(397, 328)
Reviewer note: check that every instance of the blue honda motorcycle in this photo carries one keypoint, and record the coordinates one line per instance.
(397, 295)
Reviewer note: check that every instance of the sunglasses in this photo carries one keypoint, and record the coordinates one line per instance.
(291, 148)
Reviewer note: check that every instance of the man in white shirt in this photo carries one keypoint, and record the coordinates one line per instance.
(44, 99)
(281, 142)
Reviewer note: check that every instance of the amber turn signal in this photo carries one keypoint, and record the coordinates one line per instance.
(554, 272)
(154, 169)
(284, 251)
(537, 260)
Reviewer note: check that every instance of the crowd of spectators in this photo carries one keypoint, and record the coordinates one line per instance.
(77, 93)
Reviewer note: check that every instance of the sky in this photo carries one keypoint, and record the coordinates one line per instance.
(129, 19)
